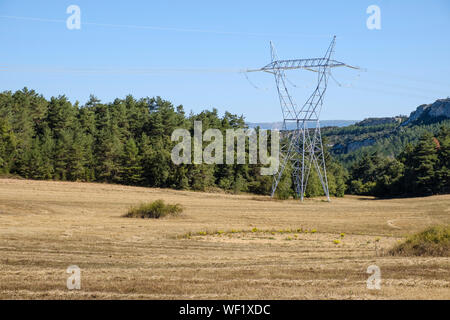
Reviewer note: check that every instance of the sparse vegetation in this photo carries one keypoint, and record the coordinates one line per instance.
(150, 259)
(434, 241)
(154, 210)
(249, 231)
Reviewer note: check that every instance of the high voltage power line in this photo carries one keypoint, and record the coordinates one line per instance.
(304, 149)
(394, 89)
(117, 70)
(33, 69)
(171, 29)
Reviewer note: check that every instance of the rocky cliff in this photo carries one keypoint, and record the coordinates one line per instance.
(429, 113)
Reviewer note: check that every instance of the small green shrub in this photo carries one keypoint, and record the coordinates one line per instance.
(154, 210)
(434, 241)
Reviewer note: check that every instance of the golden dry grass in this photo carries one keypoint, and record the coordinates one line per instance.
(47, 226)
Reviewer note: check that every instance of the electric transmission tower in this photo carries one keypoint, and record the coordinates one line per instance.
(304, 148)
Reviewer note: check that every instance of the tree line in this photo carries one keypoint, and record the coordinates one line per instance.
(389, 140)
(420, 169)
(127, 141)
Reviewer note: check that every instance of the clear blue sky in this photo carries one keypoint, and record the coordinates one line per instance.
(407, 61)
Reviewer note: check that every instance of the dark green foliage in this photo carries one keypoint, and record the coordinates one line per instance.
(130, 169)
(443, 165)
(422, 169)
(128, 141)
(337, 178)
(285, 186)
(7, 146)
(422, 163)
(154, 210)
(314, 187)
(349, 143)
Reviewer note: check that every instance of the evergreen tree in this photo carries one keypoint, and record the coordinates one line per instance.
(75, 158)
(7, 146)
(46, 149)
(443, 163)
(314, 187)
(35, 168)
(131, 170)
(424, 160)
(129, 141)
(285, 186)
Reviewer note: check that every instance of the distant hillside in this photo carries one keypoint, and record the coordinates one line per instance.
(388, 136)
(430, 113)
(323, 123)
(380, 121)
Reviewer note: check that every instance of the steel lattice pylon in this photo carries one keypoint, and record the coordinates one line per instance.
(304, 148)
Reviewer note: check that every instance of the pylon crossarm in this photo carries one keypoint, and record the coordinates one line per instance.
(307, 64)
(304, 149)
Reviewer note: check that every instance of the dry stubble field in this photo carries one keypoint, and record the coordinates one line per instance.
(47, 226)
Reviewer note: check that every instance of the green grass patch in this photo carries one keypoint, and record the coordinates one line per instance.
(434, 241)
(154, 210)
(254, 231)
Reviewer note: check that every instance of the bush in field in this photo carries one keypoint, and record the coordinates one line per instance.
(154, 210)
(434, 241)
